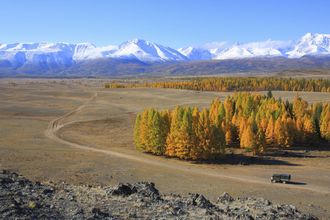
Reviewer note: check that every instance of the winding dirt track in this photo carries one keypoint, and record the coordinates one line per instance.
(56, 124)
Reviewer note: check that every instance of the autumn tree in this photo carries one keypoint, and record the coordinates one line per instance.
(203, 133)
(234, 84)
(325, 123)
(281, 133)
(144, 130)
(137, 128)
(185, 138)
(309, 130)
(248, 139)
(195, 151)
(158, 134)
(173, 140)
(253, 122)
(270, 131)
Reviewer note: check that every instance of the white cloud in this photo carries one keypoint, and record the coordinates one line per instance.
(276, 44)
(216, 45)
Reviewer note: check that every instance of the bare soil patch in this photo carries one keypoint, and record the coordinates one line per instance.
(106, 123)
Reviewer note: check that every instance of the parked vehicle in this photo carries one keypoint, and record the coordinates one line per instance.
(280, 178)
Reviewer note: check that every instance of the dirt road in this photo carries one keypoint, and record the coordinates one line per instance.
(56, 124)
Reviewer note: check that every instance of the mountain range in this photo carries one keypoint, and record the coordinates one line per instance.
(34, 58)
(309, 45)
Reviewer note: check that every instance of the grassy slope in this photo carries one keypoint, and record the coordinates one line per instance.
(122, 68)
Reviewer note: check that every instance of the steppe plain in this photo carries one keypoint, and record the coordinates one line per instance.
(76, 131)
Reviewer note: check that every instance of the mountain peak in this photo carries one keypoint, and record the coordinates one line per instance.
(196, 53)
(86, 44)
(44, 53)
(307, 36)
(147, 51)
(311, 44)
(314, 37)
(137, 40)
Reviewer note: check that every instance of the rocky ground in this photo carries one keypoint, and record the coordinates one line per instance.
(23, 199)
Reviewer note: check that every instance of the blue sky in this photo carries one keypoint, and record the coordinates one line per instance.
(174, 23)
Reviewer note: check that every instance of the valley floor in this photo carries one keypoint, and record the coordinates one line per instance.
(77, 132)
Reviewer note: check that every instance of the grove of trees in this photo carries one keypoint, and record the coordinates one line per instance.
(223, 84)
(250, 121)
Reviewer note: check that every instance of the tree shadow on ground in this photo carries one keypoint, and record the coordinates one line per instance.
(240, 159)
(319, 145)
(296, 183)
(296, 153)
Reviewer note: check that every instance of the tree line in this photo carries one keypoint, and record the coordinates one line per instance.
(223, 84)
(250, 121)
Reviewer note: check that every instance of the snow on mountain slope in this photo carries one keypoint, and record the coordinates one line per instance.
(239, 52)
(267, 48)
(65, 54)
(193, 53)
(235, 52)
(43, 54)
(224, 51)
(147, 51)
(19, 54)
(88, 51)
(311, 44)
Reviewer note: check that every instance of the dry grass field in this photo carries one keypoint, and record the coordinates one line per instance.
(93, 144)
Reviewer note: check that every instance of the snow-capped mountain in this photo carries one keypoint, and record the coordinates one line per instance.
(193, 53)
(19, 54)
(65, 54)
(256, 49)
(137, 49)
(147, 51)
(88, 51)
(267, 48)
(51, 54)
(311, 44)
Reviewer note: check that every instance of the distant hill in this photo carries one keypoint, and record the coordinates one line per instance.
(121, 68)
(140, 57)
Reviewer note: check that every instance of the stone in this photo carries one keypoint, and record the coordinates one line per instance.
(225, 198)
(23, 199)
(122, 190)
(98, 214)
(145, 189)
(200, 201)
(48, 191)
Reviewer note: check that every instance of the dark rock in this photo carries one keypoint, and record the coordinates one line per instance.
(244, 216)
(23, 199)
(98, 214)
(146, 189)
(132, 215)
(225, 198)
(200, 201)
(48, 191)
(122, 190)
(5, 181)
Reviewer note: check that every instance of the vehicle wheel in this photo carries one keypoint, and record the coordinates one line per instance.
(284, 182)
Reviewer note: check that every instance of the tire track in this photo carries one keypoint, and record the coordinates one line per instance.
(56, 124)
